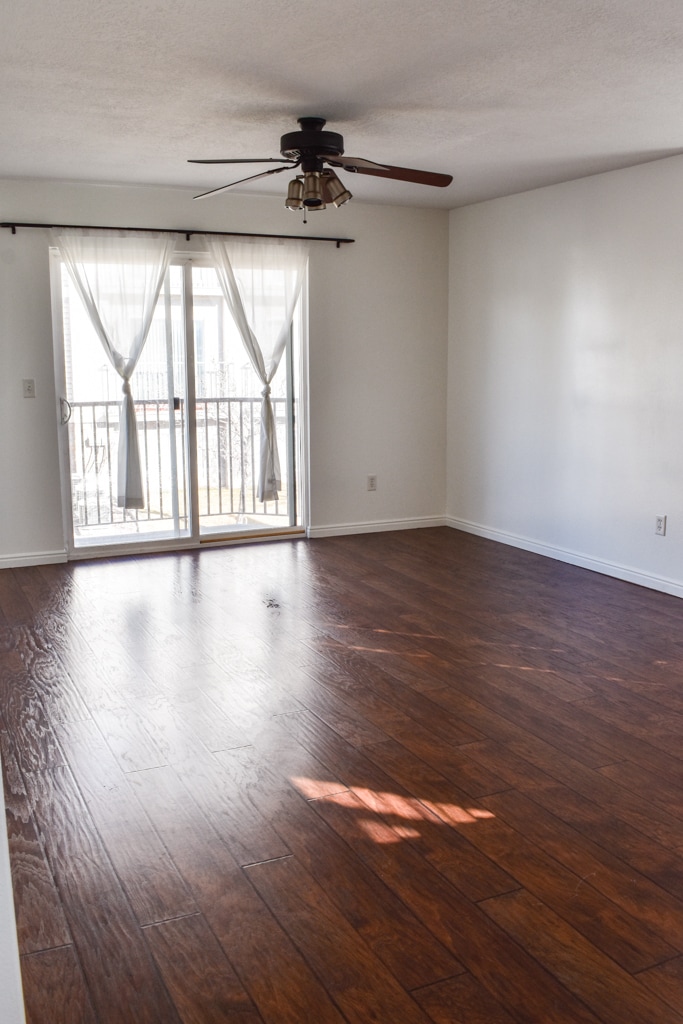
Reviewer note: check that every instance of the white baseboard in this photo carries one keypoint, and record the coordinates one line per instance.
(35, 558)
(620, 572)
(380, 526)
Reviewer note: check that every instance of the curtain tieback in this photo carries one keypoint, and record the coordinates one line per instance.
(266, 391)
(126, 388)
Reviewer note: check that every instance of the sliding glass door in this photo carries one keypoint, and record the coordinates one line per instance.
(198, 407)
(228, 420)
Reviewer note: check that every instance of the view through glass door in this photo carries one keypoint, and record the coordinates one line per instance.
(198, 406)
(228, 420)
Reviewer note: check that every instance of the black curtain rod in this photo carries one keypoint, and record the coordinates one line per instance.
(13, 225)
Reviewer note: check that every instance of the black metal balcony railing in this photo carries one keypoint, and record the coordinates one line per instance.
(227, 451)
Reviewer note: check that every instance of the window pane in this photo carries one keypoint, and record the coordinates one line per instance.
(94, 392)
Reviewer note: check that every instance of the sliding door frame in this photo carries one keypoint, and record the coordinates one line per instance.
(297, 444)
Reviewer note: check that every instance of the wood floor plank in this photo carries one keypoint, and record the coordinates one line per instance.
(32, 736)
(631, 808)
(37, 648)
(54, 988)
(48, 589)
(454, 764)
(637, 714)
(623, 734)
(657, 909)
(60, 697)
(153, 886)
(14, 605)
(395, 651)
(640, 780)
(173, 738)
(621, 935)
(92, 653)
(128, 738)
(453, 856)
(452, 770)
(590, 975)
(194, 714)
(630, 845)
(197, 973)
(391, 931)
(666, 982)
(40, 919)
(356, 979)
(248, 698)
(365, 680)
(341, 716)
(288, 991)
(500, 965)
(461, 1000)
(660, 680)
(531, 713)
(103, 689)
(248, 835)
(99, 916)
(513, 771)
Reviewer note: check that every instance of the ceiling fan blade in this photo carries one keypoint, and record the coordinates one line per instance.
(256, 160)
(350, 163)
(252, 177)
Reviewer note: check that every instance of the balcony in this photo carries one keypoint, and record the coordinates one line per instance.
(227, 453)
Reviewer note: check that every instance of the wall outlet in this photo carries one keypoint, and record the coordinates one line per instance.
(660, 526)
(372, 482)
(29, 386)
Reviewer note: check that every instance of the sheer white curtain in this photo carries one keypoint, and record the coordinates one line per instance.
(261, 282)
(119, 276)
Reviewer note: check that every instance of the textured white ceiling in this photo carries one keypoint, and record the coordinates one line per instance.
(505, 95)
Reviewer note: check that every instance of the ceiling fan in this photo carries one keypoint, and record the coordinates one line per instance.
(311, 149)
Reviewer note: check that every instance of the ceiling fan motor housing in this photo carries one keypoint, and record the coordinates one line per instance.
(311, 145)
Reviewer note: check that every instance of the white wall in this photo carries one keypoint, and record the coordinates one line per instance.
(11, 998)
(378, 324)
(565, 415)
(378, 341)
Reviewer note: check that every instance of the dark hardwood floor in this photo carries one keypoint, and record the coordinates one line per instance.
(392, 778)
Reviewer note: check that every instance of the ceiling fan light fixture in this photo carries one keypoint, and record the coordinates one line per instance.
(295, 195)
(313, 190)
(334, 191)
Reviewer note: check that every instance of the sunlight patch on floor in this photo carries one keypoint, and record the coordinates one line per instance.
(396, 807)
